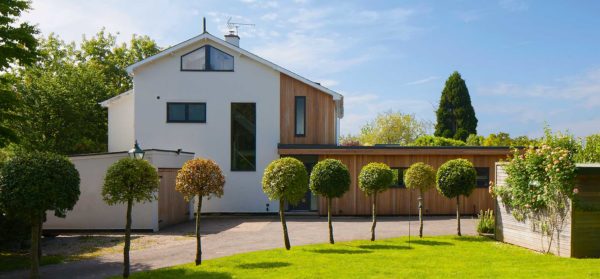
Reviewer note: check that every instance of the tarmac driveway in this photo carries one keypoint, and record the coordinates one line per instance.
(227, 235)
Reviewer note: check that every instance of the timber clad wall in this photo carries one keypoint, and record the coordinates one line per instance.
(320, 113)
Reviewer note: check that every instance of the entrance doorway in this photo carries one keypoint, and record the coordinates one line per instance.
(310, 201)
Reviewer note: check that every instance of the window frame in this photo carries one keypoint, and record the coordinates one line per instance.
(477, 169)
(231, 165)
(206, 60)
(401, 171)
(187, 112)
(296, 134)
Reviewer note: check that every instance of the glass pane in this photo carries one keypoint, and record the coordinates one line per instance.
(197, 112)
(243, 137)
(483, 177)
(175, 112)
(220, 61)
(300, 115)
(195, 60)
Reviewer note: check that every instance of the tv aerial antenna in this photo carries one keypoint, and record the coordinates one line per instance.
(235, 26)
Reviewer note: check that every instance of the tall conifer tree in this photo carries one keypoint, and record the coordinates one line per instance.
(455, 115)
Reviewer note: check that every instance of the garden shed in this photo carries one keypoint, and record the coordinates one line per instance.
(580, 236)
(92, 213)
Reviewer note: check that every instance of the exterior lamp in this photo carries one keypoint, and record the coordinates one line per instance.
(136, 152)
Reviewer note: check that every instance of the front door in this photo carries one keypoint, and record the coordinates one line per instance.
(308, 203)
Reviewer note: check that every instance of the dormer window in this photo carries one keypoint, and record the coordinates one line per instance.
(207, 58)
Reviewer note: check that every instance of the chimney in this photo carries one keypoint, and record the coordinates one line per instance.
(233, 38)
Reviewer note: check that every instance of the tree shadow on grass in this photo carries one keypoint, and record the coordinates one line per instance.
(188, 273)
(263, 265)
(340, 251)
(431, 242)
(473, 239)
(384, 247)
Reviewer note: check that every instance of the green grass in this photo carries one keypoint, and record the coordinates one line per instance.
(431, 257)
(13, 261)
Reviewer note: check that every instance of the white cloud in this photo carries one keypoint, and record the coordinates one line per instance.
(269, 17)
(514, 5)
(423, 80)
(328, 82)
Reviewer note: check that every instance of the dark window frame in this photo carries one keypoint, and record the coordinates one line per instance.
(207, 49)
(478, 169)
(296, 116)
(400, 183)
(186, 112)
(231, 165)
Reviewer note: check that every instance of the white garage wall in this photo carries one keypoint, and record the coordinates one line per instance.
(120, 123)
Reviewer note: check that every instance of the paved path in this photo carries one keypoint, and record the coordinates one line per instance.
(223, 236)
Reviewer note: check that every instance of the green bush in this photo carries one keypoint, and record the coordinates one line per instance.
(437, 141)
(455, 178)
(330, 178)
(372, 179)
(285, 179)
(421, 177)
(590, 153)
(486, 221)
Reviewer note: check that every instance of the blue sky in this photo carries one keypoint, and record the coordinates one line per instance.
(526, 63)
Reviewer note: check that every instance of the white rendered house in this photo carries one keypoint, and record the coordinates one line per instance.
(211, 97)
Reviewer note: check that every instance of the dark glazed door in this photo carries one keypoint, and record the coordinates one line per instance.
(305, 203)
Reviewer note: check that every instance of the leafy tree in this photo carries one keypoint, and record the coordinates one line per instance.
(500, 139)
(474, 140)
(437, 141)
(590, 153)
(202, 178)
(373, 179)
(330, 178)
(455, 178)
(392, 128)
(285, 179)
(61, 91)
(128, 181)
(421, 177)
(33, 183)
(455, 114)
(17, 47)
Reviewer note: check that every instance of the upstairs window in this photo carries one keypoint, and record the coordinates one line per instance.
(186, 112)
(300, 117)
(207, 58)
(483, 177)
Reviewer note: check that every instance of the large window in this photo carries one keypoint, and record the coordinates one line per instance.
(398, 181)
(300, 117)
(186, 112)
(483, 177)
(243, 137)
(207, 58)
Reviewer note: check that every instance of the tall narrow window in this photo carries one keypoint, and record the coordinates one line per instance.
(300, 116)
(483, 177)
(243, 136)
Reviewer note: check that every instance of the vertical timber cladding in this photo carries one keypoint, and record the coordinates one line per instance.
(172, 208)
(320, 113)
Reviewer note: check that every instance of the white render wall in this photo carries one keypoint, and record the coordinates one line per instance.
(120, 124)
(250, 82)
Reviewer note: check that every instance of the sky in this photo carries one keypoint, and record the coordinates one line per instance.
(526, 63)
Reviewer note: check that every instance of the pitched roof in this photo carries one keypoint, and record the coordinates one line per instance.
(106, 103)
(207, 36)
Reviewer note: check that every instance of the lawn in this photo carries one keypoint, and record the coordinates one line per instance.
(12, 261)
(431, 257)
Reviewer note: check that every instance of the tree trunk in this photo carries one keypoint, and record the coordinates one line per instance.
(286, 238)
(127, 240)
(329, 221)
(374, 217)
(421, 213)
(198, 240)
(458, 214)
(35, 247)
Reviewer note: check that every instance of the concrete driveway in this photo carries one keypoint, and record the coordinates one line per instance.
(227, 235)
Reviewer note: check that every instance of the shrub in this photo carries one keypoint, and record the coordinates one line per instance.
(373, 179)
(486, 221)
(202, 178)
(330, 178)
(285, 179)
(128, 181)
(455, 178)
(437, 141)
(590, 153)
(421, 177)
(33, 183)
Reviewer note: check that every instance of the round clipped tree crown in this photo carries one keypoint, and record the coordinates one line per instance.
(375, 178)
(330, 178)
(130, 179)
(420, 176)
(202, 177)
(456, 177)
(285, 178)
(37, 182)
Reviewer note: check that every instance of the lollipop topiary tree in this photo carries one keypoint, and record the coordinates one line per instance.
(330, 178)
(285, 179)
(455, 178)
(421, 177)
(373, 179)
